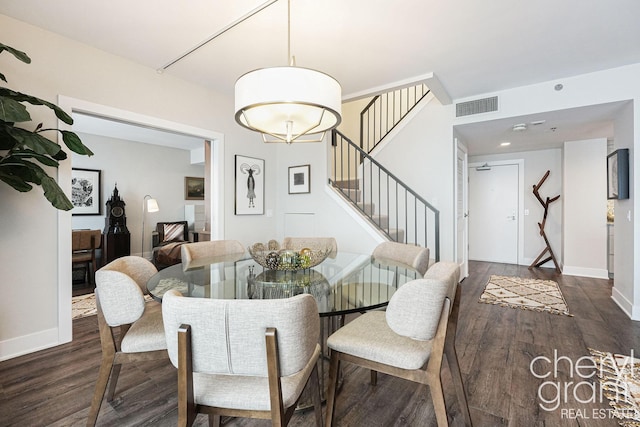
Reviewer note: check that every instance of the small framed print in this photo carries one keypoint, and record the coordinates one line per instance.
(299, 179)
(193, 188)
(85, 191)
(618, 174)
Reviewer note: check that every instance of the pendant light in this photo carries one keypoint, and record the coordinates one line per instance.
(287, 103)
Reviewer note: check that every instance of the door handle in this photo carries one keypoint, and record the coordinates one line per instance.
(511, 217)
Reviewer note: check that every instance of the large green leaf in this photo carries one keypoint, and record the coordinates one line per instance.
(21, 97)
(15, 52)
(13, 111)
(34, 141)
(15, 181)
(30, 154)
(54, 194)
(75, 144)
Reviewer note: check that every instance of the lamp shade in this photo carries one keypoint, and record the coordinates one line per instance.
(288, 102)
(152, 205)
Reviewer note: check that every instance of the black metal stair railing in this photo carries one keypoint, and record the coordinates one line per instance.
(387, 202)
(385, 111)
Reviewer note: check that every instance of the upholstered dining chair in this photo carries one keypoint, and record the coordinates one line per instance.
(243, 358)
(408, 341)
(214, 248)
(120, 303)
(297, 243)
(414, 256)
(398, 258)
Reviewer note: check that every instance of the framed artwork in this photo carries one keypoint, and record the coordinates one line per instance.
(618, 174)
(299, 179)
(85, 192)
(193, 188)
(249, 174)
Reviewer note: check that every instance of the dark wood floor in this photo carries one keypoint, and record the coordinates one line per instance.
(495, 346)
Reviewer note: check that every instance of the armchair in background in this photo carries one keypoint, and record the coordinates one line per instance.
(84, 244)
(167, 239)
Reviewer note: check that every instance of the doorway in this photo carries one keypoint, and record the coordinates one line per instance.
(495, 211)
(216, 172)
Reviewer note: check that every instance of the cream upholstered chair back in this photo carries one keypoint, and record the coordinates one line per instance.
(121, 286)
(447, 271)
(297, 243)
(416, 257)
(215, 248)
(228, 336)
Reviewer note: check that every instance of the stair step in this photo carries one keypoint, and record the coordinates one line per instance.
(367, 208)
(396, 234)
(353, 184)
(381, 220)
(355, 195)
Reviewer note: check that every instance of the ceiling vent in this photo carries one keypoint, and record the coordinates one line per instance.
(484, 105)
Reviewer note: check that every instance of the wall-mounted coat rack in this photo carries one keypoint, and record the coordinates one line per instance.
(545, 204)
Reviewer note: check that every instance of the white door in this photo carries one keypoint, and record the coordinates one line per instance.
(462, 246)
(493, 213)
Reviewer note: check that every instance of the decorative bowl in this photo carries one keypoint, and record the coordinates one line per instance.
(286, 259)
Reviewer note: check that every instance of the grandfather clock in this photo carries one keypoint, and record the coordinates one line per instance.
(117, 239)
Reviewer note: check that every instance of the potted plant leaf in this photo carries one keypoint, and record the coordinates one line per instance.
(24, 152)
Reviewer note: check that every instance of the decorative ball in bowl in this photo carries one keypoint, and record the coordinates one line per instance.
(287, 259)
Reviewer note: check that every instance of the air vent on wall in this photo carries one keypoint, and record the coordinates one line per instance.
(477, 106)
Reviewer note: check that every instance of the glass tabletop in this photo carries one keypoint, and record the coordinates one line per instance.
(341, 284)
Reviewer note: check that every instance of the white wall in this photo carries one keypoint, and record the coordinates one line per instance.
(30, 225)
(536, 164)
(585, 208)
(138, 169)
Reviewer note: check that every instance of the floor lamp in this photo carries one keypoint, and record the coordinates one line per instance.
(149, 204)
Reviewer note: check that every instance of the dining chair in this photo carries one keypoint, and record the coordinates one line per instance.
(297, 243)
(397, 259)
(243, 358)
(408, 340)
(215, 248)
(414, 256)
(84, 244)
(130, 329)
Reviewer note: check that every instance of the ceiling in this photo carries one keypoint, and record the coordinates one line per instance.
(472, 47)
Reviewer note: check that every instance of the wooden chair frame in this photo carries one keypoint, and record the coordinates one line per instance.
(429, 374)
(279, 415)
(112, 360)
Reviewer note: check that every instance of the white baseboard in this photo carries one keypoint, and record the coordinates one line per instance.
(596, 273)
(26, 344)
(624, 304)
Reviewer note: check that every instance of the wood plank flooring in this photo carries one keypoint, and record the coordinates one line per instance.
(495, 347)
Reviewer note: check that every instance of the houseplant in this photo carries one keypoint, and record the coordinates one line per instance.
(24, 152)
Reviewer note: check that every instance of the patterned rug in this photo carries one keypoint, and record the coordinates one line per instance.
(85, 305)
(619, 377)
(527, 294)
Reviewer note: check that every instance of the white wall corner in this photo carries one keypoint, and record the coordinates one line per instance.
(624, 304)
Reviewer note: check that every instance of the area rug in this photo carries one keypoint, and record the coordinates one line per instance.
(85, 305)
(619, 377)
(527, 294)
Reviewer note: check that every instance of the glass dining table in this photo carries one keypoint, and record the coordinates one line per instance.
(343, 283)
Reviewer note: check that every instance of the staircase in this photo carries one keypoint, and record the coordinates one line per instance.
(384, 200)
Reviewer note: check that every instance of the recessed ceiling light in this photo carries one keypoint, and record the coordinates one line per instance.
(505, 144)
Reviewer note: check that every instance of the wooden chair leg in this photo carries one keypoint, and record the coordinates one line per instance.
(332, 389)
(374, 377)
(456, 375)
(115, 374)
(101, 386)
(437, 396)
(214, 420)
(314, 383)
